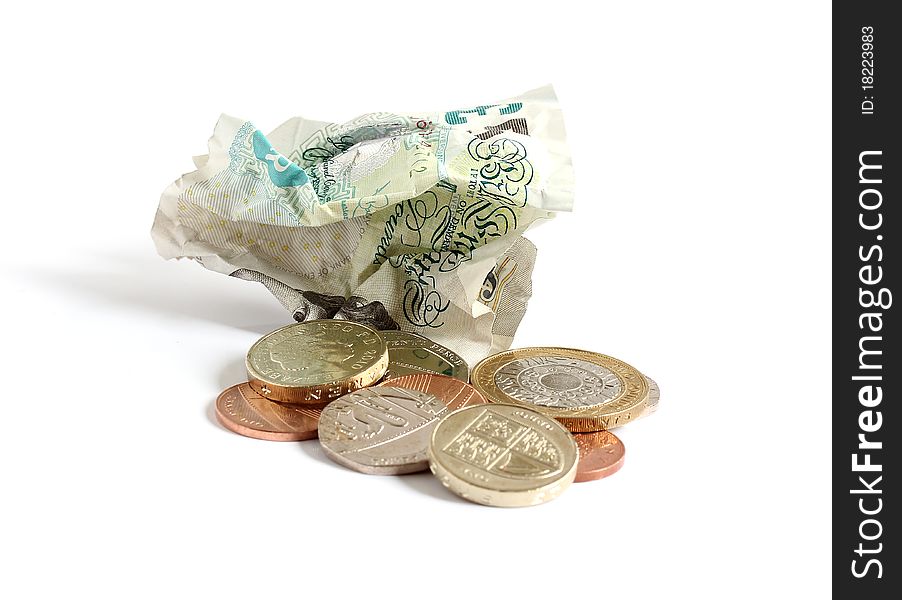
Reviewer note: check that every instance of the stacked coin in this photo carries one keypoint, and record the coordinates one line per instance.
(296, 371)
(583, 390)
(391, 402)
(315, 362)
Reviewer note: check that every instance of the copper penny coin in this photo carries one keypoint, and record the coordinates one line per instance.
(244, 411)
(452, 391)
(600, 454)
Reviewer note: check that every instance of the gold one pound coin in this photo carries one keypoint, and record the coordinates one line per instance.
(314, 362)
(502, 455)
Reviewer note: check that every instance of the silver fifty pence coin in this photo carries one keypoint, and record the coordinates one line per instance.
(380, 430)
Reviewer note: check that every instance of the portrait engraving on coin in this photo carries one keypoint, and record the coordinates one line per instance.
(314, 362)
(558, 382)
(317, 351)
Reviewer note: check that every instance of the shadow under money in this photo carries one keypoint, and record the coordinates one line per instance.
(177, 290)
(313, 449)
(422, 482)
(233, 373)
(426, 483)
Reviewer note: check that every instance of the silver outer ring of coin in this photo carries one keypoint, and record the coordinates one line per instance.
(654, 395)
(405, 340)
(351, 429)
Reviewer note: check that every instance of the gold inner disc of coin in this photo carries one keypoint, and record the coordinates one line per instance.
(315, 362)
(585, 391)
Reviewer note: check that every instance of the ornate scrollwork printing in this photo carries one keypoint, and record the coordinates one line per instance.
(421, 211)
(423, 306)
(504, 170)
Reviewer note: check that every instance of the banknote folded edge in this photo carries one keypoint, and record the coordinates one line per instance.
(558, 192)
(173, 239)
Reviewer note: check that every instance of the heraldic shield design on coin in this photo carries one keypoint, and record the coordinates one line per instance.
(503, 455)
(380, 430)
(506, 448)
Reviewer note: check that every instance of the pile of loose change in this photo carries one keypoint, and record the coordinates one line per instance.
(517, 431)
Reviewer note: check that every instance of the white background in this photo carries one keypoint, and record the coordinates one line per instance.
(698, 251)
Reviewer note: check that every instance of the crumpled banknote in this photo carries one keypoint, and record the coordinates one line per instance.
(410, 221)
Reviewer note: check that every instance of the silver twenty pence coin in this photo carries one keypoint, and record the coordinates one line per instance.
(380, 430)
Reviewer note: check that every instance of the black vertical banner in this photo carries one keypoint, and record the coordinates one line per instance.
(867, 227)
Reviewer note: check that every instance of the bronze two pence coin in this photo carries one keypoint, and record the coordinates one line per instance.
(600, 454)
(454, 392)
(244, 411)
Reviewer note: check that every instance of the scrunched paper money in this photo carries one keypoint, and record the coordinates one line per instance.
(421, 212)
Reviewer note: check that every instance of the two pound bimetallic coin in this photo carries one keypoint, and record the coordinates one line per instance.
(583, 390)
(502, 455)
(315, 362)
